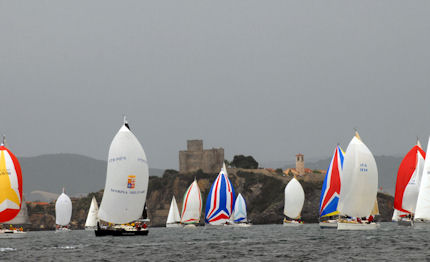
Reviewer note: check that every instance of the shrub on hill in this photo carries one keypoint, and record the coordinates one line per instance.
(241, 161)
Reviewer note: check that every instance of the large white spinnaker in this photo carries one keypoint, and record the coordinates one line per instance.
(92, 214)
(239, 213)
(422, 210)
(294, 199)
(359, 180)
(173, 217)
(126, 180)
(63, 210)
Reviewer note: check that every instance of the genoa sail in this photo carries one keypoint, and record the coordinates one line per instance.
(239, 213)
(92, 214)
(192, 205)
(422, 210)
(294, 199)
(126, 180)
(63, 210)
(409, 179)
(331, 187)
(173, 216)
(220, 202)
(10, 185)
(359, 180)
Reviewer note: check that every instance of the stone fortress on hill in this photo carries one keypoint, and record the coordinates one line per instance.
(195, 158)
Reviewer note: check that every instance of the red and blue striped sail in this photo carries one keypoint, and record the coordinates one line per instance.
(220, 202)
(331, 187)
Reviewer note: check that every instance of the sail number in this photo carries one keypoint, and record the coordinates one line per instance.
(363, 167)
(116, 159)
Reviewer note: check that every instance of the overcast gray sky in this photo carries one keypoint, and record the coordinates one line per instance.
(264, 78)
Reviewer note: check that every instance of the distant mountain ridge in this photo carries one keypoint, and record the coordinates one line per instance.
(78, 174)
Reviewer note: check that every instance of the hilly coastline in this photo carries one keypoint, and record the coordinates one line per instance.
(262, 189)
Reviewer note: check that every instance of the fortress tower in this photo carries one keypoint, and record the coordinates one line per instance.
(195, 158)
(300, 164)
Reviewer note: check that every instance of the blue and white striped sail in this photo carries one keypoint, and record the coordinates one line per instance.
(239, 213)
(331, 187)
(220, 202)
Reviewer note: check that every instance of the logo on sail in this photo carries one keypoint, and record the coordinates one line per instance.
(131, 183)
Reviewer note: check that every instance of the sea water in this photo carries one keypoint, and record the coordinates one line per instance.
(256, 243)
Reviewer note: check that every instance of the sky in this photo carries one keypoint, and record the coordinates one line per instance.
(263, 78)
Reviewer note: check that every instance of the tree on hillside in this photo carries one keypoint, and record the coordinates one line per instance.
(241, 161)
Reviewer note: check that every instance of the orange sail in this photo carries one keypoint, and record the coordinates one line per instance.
(10, 185)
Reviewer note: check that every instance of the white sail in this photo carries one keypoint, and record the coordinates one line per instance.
(410, 194)
(92, 214)
(192, 205)
(396, 215)
(239, 213)
(173, 216)
(63, 210)
(359, 180)
(422, 210)
(294, 199)
(22, 217)
(126, 180)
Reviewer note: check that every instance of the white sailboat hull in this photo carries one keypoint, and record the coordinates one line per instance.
(292, 224)
(8, 233)
(328, 224)
(190, 226)
(174, 225)
(241, 225)
(357, 226)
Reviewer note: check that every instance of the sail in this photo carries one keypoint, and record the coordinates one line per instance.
(408, 180)
(63, 210)
(192, 205)
(92, 214)
(331, 187)
(422, 210)
(10, 185)
(126, 180)
(396, 215)
(375, 209)
(294, 199)
(220, 202)
(22, 217)
(239, 213)
(359, 180)
(173, 216)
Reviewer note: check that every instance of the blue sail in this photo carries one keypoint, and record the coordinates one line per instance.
(239, 213)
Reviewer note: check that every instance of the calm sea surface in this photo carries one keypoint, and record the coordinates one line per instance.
(257, 243)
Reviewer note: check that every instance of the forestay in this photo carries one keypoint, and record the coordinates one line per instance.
(63, 210)
(359, 180)
(294, 199)
(126, 180)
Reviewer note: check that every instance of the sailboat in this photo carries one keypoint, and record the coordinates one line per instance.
(422, 209)
(63, 212)
(294, 199)
(330, 191)
(91, 222)
(126, 187)
(408, 183)
(220, 202)
(191, 206)
(10, 190)
(359, 186)
(173, 219)
(239, 214)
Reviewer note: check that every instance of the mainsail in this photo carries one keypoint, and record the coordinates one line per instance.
(10, 185)
(331, 187)
(220, 202)
(409, 179)
(174, 216)
(63, 210)
(239, 213)
(92, 214)
(294, 199)
(126, 179)
(192, 205)
(22, 217)
(359, 180)
(422, 210)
